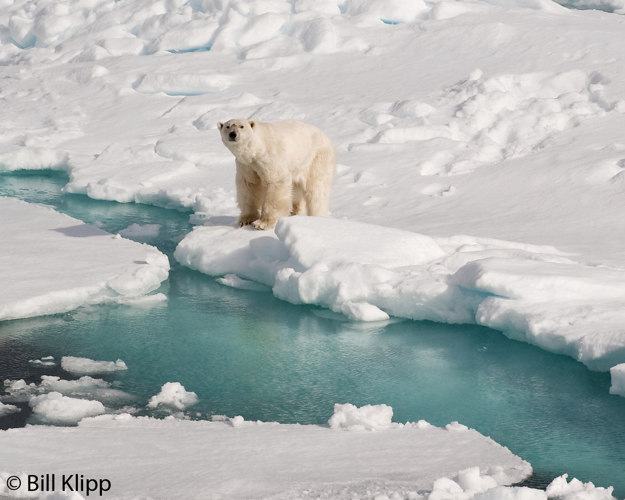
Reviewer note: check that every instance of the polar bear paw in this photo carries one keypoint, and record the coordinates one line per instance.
(262, 225)
(247, 219)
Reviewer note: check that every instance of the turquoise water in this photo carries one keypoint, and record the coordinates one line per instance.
(246, 353)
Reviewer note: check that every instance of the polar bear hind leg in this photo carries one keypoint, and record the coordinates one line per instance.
(319, 183)
(299, 200)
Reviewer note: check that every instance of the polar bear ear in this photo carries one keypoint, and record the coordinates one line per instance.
(220, 125)
(252, 124)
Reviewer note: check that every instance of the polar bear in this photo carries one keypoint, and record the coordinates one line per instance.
(283, 168)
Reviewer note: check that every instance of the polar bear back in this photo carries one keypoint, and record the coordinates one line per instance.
(293, 142)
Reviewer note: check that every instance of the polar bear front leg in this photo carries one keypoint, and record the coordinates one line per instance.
(277, 204)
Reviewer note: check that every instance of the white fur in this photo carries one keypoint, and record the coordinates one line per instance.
(283, 168)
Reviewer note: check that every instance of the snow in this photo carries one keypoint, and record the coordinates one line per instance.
(480, 180)
(96, 266)
(84, 366)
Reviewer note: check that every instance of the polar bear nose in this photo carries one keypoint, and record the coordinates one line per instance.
(233, 135)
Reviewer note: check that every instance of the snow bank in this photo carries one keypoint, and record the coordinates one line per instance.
(531, 293)
(404, 460)
(88, 265)
(84, 366)
(173, 395)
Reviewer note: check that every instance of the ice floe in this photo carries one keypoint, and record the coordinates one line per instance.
(87, 266)
(293, 461)
(86, 366)
(361, 453)
(531, 293)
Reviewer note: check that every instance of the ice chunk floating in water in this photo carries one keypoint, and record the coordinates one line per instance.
(618, 379)
(173, 395)
(54, 408)
(85, 366)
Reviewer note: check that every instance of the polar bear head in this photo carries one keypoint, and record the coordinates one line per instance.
(237, 132)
